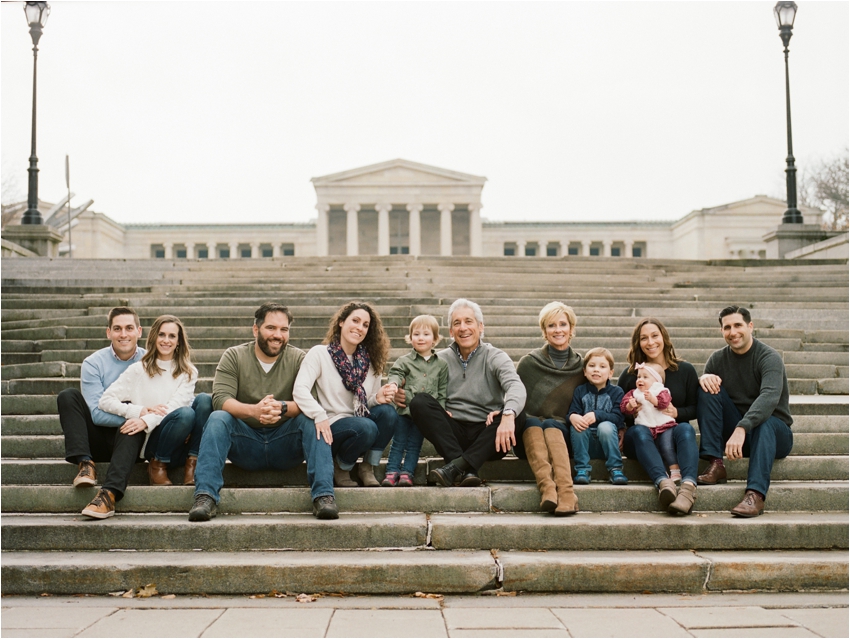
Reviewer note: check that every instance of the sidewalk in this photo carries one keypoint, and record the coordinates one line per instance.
(714, 615)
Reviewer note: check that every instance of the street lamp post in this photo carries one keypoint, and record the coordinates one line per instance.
(785, 12)
(36, 13)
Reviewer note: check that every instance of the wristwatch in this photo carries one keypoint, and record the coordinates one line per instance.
(283, 407)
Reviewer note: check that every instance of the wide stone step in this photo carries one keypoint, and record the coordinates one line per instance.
(363, 572)
(515, 497)
(477, 531)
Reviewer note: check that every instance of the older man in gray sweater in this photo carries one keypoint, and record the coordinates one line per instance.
(483, 397)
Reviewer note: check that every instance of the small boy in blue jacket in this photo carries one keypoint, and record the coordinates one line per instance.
(595, 419)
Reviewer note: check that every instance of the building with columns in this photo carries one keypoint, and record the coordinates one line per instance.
(405, 208)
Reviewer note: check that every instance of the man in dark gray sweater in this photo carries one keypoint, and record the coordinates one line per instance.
(483, 397)
(743, 402)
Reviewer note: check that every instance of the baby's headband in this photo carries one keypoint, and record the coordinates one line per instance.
(651, 371)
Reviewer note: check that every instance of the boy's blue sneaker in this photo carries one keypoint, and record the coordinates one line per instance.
(618, 478)
(582, 477)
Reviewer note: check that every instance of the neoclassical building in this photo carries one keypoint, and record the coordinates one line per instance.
(402, 207)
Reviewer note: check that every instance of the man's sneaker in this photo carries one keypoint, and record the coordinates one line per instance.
(446, 475)
(87, 476)
(618, 478)
(325, 507)
(390, 480)
(102, 506)
(582, 477)
(203, 509)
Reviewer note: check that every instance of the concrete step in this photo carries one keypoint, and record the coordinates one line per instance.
(363, 572)
(477, 531)
(515, 497)
(793, 468)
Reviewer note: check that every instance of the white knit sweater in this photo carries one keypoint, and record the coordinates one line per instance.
(319, 370)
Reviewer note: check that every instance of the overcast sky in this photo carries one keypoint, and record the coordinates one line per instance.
(223, 111)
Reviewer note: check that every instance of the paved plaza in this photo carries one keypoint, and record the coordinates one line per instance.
(715, 615)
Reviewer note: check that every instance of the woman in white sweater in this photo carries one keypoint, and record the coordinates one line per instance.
(157, 397)
(354, 413)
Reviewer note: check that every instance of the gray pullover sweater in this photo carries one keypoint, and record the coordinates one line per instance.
(490, 382)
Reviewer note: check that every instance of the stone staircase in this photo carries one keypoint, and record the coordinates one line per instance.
(423, 538)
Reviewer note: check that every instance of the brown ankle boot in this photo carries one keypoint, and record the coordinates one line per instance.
(189, 471)
(538, 459)
(567, 500)
(158, 473)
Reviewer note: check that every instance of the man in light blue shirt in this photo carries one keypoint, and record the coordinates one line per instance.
(91, 435)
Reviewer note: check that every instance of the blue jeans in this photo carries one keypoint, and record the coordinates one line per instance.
(167, 442)
(519, 448)
(367, 436)
(407, 439)
(638, 443)
(276, 448)
(666, 446)
(599, 441)
(718, 417)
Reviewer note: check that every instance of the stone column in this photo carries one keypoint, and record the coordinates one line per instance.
(234, 250)
(415, 229)
(475, 235)
(321, 231)
(520, 248)
(585, 247)
(169, 250)
(352, 229)
(606, 248)
(276, 248)
(190, 250)
(565, 248)
(629, 246)
(211, 251)
(255, 250)
(446, 228)
(383, 228)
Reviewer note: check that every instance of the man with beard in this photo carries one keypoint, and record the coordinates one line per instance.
(256, 424)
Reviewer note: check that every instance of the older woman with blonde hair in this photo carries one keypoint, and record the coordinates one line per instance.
(550, 375)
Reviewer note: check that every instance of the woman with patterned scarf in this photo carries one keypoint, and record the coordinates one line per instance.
(354, 412)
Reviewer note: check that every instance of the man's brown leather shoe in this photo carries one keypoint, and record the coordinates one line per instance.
(158, 473)
(751, 506)
(87, 475)
(714, 474)
(102, 506)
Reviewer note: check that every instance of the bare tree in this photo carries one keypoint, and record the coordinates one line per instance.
(825, 187)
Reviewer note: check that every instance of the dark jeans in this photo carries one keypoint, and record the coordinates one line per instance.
(179, 433)
(528, 422)
(667, 447)
(367, 436)
(638, 443)
(85, 440)
(718, 417)
(473, 441)
(275, 448)
(407, 444)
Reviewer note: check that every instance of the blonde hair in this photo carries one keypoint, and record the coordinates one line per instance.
(598, 352)
(552, 310)
(425, 321)
(657, 368)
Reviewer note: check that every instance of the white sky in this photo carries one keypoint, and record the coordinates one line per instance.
(223, 111)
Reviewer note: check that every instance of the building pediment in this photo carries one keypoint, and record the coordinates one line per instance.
(398, 173)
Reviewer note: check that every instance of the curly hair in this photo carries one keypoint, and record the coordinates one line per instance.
(637, 356)
(376, 342)
(182, 352)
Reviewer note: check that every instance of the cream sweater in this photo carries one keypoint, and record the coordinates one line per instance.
(141, 391)
(318, 370)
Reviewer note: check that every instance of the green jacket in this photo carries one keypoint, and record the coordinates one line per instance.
(416, 374)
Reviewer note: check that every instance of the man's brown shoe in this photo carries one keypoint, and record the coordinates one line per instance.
(714, 474)
(102, 506)
(87, 475)
(751, 506)
(189, 471)
(158, 473)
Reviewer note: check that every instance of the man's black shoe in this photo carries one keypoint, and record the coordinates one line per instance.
(445, 476)
(470, 479)
(325, 507)
(203, 509)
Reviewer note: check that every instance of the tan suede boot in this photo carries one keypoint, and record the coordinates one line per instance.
(538, 459)
(567, 500)
(684, 502)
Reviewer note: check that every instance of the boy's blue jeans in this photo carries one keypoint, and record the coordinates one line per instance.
(407, 439)
(599, 441)
(277, 448)
(167, 442)
(718, 417)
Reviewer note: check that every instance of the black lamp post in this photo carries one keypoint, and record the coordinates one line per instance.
(36, 13)
(785, 12)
